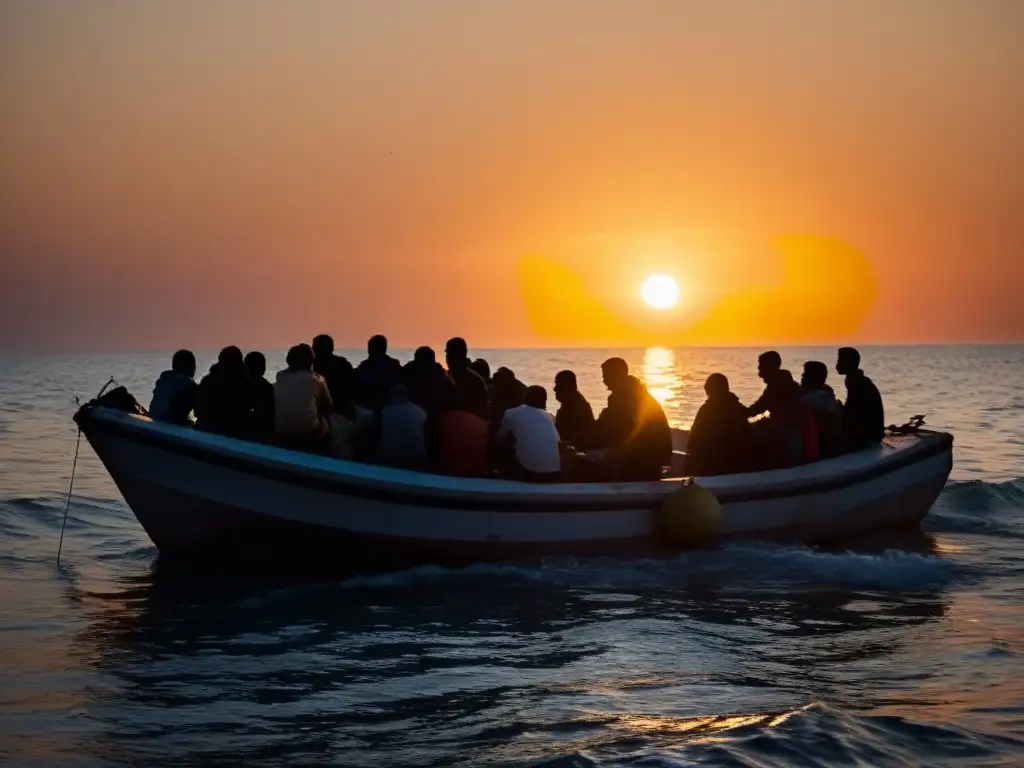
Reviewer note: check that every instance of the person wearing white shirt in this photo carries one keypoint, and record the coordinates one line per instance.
(527, 441)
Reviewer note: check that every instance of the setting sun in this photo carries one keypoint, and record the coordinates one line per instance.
(660, 292)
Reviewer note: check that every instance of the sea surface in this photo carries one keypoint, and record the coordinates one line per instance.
(906, 650)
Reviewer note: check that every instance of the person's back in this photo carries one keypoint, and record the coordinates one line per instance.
(531, 430)
(719, 441)
(633, 427)
(175, 392)
(472, 389)
(460, 442)
(377, 374)
(349, 432)
(336, 371)
(506, 392)
(826, 409)
(789, 436)
(575, 417)
(863, 413)
(222, 405)
(427, 381)
(399, 432)
(260, 394)
(302, 402)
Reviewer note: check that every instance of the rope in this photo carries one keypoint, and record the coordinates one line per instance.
(913, 426)
(74, 466)
(67, 506)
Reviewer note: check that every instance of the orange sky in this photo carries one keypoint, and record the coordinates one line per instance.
(204, 172)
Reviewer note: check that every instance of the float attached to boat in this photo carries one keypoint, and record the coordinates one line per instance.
(195, 491)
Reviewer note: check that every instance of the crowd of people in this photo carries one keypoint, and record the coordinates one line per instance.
(462, 420)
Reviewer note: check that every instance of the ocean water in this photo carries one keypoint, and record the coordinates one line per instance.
(904, 650)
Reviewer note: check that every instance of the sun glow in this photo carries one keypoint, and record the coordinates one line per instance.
(660, 292)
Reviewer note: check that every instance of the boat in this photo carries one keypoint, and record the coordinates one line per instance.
(196, 492)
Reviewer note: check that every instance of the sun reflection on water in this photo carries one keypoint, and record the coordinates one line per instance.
(662, 376)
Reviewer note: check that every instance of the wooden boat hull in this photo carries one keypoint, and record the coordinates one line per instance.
(193, 492)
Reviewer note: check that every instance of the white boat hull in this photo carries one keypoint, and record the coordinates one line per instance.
(192, 491)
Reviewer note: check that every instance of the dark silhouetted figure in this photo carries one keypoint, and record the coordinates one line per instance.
(261, 398)
(457, 440)
(575, 417)
(175, 392)
(863, 414)
(483, 369)
(826, 409)
(633, 427)
(427, 381)
(527, 445)
(377, 374)
(776, 391)
(471, 388)
(223, 403)
(399, 432)
(720, 438)
(302, 404)
(335, 370)
(506, 392)
(789, 436)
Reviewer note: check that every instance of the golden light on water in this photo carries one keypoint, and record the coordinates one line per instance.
(660, 375)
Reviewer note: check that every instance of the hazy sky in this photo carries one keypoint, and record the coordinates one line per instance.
(202, 173)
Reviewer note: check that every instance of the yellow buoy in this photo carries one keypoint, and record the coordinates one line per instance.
(690, 518)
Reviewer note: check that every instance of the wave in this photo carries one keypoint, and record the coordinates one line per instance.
(987, 495)
(977, 506)
(763, 564)
(812, 735)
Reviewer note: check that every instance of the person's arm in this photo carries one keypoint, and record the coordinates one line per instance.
(324, 403)
(189, 403)
(759, 406)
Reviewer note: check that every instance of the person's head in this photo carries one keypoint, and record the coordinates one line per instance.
(768, 363)
(614, 373)
(255, 364)
(230, 359)
(536, 397)
(482, 367)
(377, 346)
(814, 376)
(785, 379)
(504, 375)
(456, 353)
(300, 358)
(424, 356)
(323, 345)
(565, 385)
(716, 385)
(847, 361)
(184, 362)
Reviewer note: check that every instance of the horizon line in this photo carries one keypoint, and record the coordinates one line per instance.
(516, 348)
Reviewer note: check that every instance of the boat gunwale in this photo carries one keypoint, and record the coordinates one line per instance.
(391, 485)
